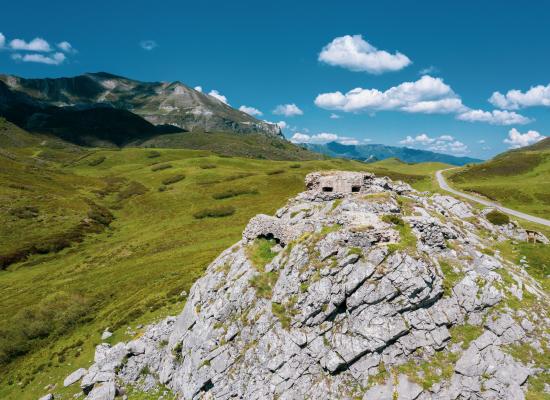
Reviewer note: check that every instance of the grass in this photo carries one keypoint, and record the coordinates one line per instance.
(259, 252)
(226, 194)
(215, 212)
(450, 277)
(518, 179)
(407, 239)
(173, 179)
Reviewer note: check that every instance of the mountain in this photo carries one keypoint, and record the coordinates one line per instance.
(385, 293)
(46, 104)
(518, 178)
(375, 152)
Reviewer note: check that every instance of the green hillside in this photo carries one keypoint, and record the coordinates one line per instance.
(519, 179)
(97, 238)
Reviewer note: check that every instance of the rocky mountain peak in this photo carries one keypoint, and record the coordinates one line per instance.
(359, 287)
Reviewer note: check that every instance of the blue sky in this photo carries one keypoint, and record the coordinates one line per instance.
(266, 54)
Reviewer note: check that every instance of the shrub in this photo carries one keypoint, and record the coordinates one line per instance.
(160, 167)
(497, 218)
(275, 172)
(24, 212)
(153, 154)
(295, 165)
(392, 219)
(97, 161)
(133, 189)
(173, 179)
(215, 212)
(233, 193)
(208, 166)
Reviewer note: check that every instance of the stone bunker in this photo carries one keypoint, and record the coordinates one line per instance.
(338, 182)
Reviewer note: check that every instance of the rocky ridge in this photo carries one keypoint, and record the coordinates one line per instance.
(358, 288)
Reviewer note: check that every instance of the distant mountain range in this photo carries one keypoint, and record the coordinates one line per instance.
(376, 152)
(101, 108)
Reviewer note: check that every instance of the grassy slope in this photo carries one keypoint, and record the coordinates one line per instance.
(519, 179)
(421, 176)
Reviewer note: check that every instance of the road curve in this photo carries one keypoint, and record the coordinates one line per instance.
(443, 184)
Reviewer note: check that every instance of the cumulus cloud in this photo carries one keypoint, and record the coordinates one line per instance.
(334, 116)
(441, 144)
(148, 44)
(198, 88)
(2, 40)
(324, 137)
(251, 111)
(428, 70)
(288, 110)
(37, 44)
(218, 95)
(495, 117)
(53, 59)
(426, 95)
(517, 139)
(356, 54)
(66, 47)
(516, 99)
(282, 124)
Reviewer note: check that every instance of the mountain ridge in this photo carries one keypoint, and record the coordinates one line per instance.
(374, 152)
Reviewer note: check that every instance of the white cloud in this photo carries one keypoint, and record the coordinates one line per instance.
(53, 59)
(66, 47)
(481, 141)
(324, 137)
(334, 116)
(442, 144)
(428, 71)
(495, 117)
(37, 44)
(148, 44)
(517, 139)
(218, 95)
(251, 111)
(198, 88)
(2, 40)
(356, 54)
(516, 99)
(426, 95)
(282, 124)
(288, 110)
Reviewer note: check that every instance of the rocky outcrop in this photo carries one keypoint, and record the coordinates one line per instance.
(376, 292)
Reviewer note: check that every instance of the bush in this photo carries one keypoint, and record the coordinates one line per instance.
(133, 189)
(173, 179)
(295, 165)
(153, 154)
(233, 193)
(208, 166)
(160, 167)
(97, 161)
(215, 212)
(497, 218)
(392, 219)
(275, 172)
(24, 212)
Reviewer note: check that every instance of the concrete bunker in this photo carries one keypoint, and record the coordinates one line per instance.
(338, 182)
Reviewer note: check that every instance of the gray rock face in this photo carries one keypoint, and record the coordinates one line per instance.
(74, 377)
(357, 287)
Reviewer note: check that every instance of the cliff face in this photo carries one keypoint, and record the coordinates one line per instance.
(160, 103)
(359, 287)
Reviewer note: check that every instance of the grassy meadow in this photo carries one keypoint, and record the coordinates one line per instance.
(170, 213)
(519, 179)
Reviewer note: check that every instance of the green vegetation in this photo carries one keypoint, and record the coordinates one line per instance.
(465, 334)
(498, 218)
(160, 167)
(215, 212)
(450, 277)
(518, 179)
(233, 193)
(259, 252)
(173, 179)
(96, 161)
(407, 239)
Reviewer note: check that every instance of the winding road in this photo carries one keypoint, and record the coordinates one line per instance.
(443, 184)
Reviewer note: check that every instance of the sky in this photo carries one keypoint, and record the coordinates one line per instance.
(466, 78)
